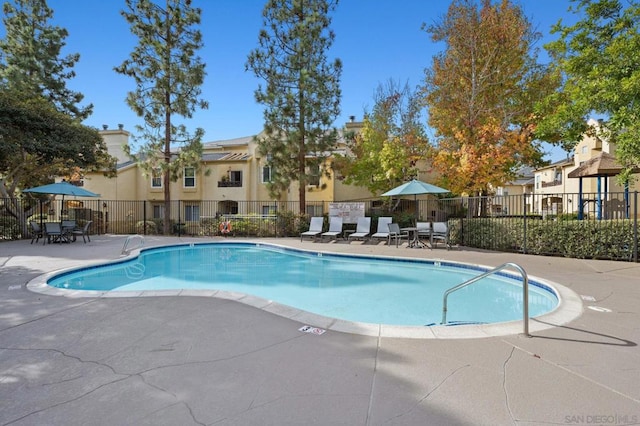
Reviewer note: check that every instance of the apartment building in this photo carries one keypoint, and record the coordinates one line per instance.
(231, 172)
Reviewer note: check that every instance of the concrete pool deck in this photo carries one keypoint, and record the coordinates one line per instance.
(206, 360)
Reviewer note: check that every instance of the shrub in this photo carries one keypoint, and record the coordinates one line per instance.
(152, 227)
(208, 227)
(583, 239)
(10, 228)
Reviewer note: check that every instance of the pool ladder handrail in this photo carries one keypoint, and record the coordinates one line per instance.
(525, 292)
(125, 247)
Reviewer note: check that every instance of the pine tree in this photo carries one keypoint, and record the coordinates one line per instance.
(41, 129)
(168, 75)
(30, 60)
(301, 93)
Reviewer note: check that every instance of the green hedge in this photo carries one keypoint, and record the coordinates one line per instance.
(582, 239)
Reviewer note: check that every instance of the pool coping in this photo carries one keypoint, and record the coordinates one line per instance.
(569, 307)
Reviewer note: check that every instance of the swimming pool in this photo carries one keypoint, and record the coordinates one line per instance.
(353, 288)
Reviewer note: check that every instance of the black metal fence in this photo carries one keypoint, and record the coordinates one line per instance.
(571, 225)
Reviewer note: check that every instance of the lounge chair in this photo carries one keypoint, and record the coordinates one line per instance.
(440, 232)
(335, 228)
(36, 231)
(84, 231)
(383, 228)
(363, 229)
(396, 234)
(315, 228)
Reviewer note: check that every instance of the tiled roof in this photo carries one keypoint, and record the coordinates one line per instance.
(604, 164)
(245, 140)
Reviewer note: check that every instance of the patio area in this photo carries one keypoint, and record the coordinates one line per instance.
(206, 360)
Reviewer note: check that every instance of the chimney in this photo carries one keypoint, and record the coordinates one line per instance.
(105, 127)
(352, 118)
(120, 126)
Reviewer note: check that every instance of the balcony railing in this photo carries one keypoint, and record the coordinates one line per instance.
(554, 183)
(229, 184)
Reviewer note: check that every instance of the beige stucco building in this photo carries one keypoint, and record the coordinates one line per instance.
(231, 180)
(556, 192)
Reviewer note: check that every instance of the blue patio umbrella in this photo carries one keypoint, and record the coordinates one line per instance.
(62, 188)
(415, 187)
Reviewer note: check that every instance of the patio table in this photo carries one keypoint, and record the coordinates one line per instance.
(68, 226)
(414, 237)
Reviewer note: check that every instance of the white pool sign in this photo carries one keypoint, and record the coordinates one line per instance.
(312, 330)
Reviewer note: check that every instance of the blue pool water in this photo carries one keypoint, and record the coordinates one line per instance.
(364, 289)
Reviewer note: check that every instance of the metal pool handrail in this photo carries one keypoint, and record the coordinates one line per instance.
(525, 292)
(125, 247)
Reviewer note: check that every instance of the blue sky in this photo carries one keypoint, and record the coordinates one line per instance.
(377, 40)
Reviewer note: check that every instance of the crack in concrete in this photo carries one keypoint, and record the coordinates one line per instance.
(67, 401)
(49, 315)
(574, 373)
(426, 396)
(599, 271)
(604, 298)
(504, 384)
(261, 385)
(175, 397)
(139, 374)
(373, 381)
(62, 381)
(58, 351)
(212, 361)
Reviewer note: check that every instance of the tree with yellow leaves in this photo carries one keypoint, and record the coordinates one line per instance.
(392, 140)
(481, 92)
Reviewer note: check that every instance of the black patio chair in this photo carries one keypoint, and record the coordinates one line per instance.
(84, 231)
(36, 231)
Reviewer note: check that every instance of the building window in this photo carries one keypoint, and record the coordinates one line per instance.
(314, 175)
(192, 213)
(558, 177)
(189, 177)
(584, 149)
(158, 211)
(537, 181)
(314, 210)
(268, 210)
(266, 174)
(156, 178)
(235, 176)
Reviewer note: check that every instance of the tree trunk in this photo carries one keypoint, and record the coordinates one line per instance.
(167, 131)
(167, 172)
(302, 151)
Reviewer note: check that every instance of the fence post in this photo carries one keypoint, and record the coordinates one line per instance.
(179, 218)
(524, 223)
(144, 217)
(635, 226)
